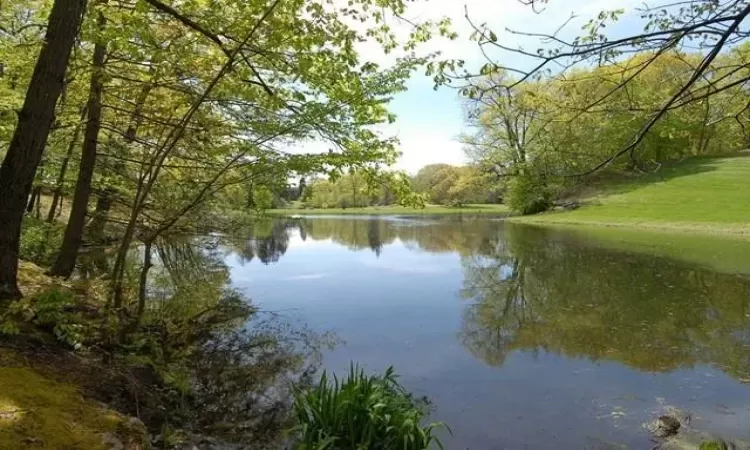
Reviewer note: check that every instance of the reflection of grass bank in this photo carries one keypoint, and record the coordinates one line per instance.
(701, 195)
(728, 254)
(395, 210)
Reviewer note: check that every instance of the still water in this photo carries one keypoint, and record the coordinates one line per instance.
(521, 337)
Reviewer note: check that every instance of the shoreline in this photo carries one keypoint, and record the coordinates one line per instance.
(496, 210)
(736, 230)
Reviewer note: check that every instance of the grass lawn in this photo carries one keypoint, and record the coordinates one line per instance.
(471, 210)
(705, 195)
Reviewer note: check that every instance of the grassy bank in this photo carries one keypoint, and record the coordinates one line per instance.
(43, 401)
(394, 210)
(702, 195)
(38, 411)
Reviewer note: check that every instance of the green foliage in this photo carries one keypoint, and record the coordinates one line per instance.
(565, 126)
(527, 195)
(198, 359)
(361, 412)
(262, 198)
(52, 309)
(40, 240)
(344, 201)
(444, 184)
(362, 188)
(181, 138)
(468, 210)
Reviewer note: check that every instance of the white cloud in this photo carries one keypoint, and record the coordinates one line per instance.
(429, 147)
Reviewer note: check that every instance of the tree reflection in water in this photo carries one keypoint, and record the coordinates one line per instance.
(267, 240)
(545, 291)
(532, 289)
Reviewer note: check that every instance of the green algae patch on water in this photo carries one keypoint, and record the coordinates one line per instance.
(37, 412)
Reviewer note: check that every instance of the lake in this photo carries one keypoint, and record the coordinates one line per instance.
(521, 337)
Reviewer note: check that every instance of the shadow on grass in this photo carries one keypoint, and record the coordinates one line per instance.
(39, 413)
(610, 184)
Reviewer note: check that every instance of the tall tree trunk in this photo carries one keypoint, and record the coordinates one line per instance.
(66, 258)
(118, 270)
(38, 208)
(33, 199)
(95, 229)
(142, 283)
(250, 200)
(57, 195)
(106, 198)
(36, 191)
(30, 137)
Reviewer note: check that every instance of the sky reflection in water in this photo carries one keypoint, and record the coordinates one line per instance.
(522, 337)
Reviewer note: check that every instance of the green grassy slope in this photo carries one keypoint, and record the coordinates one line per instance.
(700, 195)
(471, 210)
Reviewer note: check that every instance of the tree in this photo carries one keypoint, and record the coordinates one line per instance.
(262, 198)
(506, 123)
(302, 191)
(450, 185)
(34, 122)
(58, 187)
(428, 176)
(537, 137)
(254, 109)
(361, 188)
(710, 27)
(171, 141)
(66, 258)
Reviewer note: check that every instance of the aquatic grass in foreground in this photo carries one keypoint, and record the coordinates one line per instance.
(361, 412)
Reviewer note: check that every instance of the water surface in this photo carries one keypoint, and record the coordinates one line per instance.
(521, 337)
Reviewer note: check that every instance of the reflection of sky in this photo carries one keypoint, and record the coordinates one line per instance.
(403, 308)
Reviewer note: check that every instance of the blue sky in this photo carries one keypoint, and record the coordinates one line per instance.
(429, 122)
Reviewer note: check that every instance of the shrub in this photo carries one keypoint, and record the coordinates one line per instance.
(40, 240)
(344, 201)
(361, 412)
(52, 309)
(262, 198)
(528, 196)
(280, 203)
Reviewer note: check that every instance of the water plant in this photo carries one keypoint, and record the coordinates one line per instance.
(361, 412)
